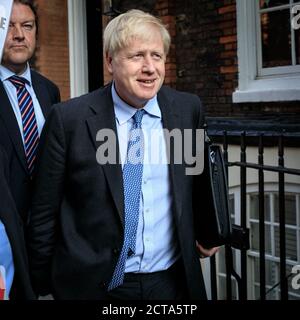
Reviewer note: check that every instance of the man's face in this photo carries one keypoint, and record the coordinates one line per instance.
(138, 70)
(21, 38)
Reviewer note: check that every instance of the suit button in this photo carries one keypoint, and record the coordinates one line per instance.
(116, 251)
(102, 285)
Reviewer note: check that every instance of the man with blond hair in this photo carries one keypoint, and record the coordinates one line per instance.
(121, 228)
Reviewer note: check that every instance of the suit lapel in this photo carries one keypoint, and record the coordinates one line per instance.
(11, 124)
(104, 118)
(171, 120)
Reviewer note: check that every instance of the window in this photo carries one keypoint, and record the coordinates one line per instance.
(272, 243)
(268, 51)
(272, 254)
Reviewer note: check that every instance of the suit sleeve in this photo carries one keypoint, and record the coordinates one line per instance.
(48, 186)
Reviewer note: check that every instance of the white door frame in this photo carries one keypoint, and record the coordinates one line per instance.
(78, 54)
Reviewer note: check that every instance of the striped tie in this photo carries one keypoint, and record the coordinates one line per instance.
(30, 130)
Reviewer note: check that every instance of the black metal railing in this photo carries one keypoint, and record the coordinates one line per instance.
(243, 243)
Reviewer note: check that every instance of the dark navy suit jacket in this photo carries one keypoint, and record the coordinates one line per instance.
(77, 219)
(20, 183)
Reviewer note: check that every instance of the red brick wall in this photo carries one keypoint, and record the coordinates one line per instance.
(228, 55)
(202, 59)
(201, 66)
(165, 9)
(52, 56)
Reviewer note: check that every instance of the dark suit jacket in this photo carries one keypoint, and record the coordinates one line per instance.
(10, 138)
(77, 221)
(21, 288)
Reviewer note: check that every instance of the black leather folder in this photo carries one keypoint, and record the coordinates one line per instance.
(212, 216)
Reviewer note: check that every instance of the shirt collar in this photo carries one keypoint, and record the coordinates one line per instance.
(124, 111)
(6, 73)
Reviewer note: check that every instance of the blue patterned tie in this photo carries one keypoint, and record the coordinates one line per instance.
(132, 179)
(30, 129)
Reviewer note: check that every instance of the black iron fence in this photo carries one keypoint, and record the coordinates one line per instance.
(243, 241)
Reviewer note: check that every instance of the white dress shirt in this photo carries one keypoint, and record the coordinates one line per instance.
(156, 241)
(10, 89)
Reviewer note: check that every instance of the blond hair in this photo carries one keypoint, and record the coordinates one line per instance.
(132, 24)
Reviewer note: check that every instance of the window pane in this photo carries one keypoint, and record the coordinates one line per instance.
(234, 289)
(277, 242)
(290, 209)
(271, 276)
(254, 214)
(276, 39)
(222, 288)
(256, 292)
(272, 271)
(268, 239)
(264, 4)
(254, 207)
(267, 207)
(291, 243)
(256, 270)
(254, 237)
(231, 205)
(273, 294)
(222, 262)
(222, 294)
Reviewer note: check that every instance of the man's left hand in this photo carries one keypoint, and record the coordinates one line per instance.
(204, 252)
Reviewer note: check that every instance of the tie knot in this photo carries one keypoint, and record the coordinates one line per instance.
(18, 81)
(137, 117)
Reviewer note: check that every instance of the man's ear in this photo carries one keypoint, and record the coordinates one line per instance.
(108, 60)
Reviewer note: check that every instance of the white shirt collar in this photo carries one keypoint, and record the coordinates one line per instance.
(6, 73)
(124, 111)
